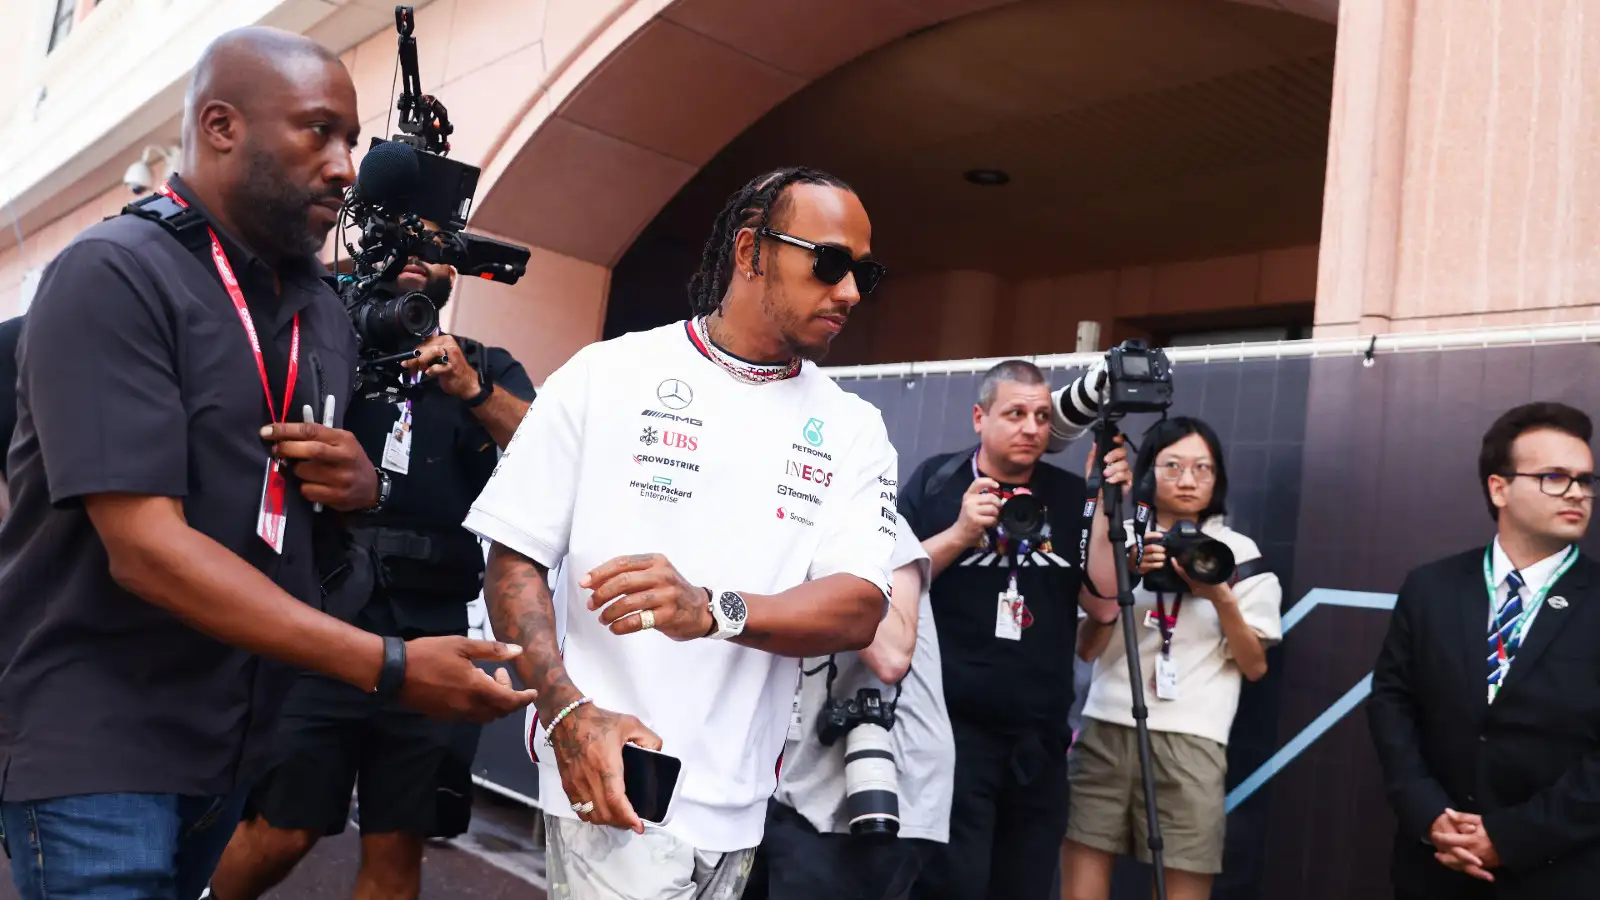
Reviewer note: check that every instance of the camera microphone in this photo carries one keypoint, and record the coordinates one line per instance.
(389, 173)
(1074, 408)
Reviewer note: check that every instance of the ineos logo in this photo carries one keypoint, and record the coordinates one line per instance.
(674, 394)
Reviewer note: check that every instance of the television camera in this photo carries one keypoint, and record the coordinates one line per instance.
(410, 202)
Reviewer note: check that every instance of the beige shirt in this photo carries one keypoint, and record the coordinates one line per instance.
(1208, 678)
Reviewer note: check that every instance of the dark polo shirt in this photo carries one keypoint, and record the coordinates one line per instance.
(135, 376)
(452, 457)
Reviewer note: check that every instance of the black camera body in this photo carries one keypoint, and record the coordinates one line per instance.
(838, 717)
(1022, 521)
(1206, 559)
(1138, 380)
(410, 202)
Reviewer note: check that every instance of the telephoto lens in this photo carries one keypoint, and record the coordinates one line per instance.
(871, 783)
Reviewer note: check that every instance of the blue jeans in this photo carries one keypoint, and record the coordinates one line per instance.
(117, 846)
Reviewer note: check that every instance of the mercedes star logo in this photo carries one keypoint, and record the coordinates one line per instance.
(674, 394)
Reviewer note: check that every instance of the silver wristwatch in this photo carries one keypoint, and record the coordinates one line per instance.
(729, 612)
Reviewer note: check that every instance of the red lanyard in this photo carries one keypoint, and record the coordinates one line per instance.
(232, 284)
(1167, 626)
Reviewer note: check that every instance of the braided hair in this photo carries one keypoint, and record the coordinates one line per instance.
(753, 206)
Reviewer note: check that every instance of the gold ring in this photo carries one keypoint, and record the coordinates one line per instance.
(647, 620)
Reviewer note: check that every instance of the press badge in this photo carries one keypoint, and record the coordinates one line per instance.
(273, 515)
(797, 725)
(397, 446)
(1166, 678)
(1006, 626)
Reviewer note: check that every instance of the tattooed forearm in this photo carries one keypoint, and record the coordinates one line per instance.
(521, 611)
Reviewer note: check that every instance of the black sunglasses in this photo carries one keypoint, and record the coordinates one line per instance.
(832, 263)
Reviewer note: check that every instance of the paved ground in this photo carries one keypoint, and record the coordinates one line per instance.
(496, 860)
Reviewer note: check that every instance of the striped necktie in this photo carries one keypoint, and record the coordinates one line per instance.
(1504, 624)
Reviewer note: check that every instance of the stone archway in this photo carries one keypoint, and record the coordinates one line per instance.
(645, 97)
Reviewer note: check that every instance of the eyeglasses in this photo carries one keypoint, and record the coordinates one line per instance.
(1556, 484)
(832, 263)
(1172, 470)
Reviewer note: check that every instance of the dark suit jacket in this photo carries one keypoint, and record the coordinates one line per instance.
(1530, 764)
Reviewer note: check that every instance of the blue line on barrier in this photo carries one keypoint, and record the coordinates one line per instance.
(1330, 597)
(1330, 716)
(1318, 727)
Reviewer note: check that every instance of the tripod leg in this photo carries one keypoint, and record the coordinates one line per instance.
(1105, 435)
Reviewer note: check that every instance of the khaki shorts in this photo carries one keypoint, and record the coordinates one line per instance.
(1108, 811)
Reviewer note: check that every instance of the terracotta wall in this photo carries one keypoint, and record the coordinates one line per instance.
(41, 246)
(484, 59)
(959, 315)
(1461, 188)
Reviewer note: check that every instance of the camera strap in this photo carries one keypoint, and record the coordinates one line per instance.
(1012, 603)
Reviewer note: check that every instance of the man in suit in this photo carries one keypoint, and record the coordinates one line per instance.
(1485, 704)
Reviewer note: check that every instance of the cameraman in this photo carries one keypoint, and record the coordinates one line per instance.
(1006, 617)
(810, 848)
(1201, 641)
(434, 454)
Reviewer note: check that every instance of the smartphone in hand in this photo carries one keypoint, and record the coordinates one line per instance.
(650, 779)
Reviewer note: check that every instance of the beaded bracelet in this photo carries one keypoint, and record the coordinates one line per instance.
(550, 730)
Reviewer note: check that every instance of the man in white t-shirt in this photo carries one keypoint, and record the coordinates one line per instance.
(713, 502)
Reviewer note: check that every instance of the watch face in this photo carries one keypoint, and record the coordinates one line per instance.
(732, 606)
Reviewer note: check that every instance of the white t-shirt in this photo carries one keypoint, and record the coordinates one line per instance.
(1208, 678)
(642, 444)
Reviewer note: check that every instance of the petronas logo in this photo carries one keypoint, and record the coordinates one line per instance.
(813, 432)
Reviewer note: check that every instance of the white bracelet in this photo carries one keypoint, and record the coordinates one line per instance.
(550, 730)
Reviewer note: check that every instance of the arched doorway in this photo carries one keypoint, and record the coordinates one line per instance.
(656, 92)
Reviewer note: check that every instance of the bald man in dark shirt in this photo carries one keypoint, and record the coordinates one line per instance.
(157, 580)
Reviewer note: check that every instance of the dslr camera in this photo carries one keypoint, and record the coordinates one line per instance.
(1207, 560)
(1138, 380)
(1022, 523)
(871, 780)
(411, 202)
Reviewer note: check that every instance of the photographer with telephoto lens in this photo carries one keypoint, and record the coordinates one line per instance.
(1002, 531)
(864, 792)
(1207, 609)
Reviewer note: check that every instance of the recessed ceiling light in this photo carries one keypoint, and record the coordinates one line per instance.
(987, 177)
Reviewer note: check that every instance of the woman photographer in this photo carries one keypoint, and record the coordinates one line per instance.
(1195, 646)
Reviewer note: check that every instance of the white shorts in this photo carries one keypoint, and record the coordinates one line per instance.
(597, 862)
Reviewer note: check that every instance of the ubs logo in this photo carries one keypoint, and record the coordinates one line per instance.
(674, 394)
(679, 441)
(648, 438)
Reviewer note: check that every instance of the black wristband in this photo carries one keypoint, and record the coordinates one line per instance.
(482, 397)
(393, 673)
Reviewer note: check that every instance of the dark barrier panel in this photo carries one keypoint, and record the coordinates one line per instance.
(1347, 476)
(1390, 483)
(1258, 408)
